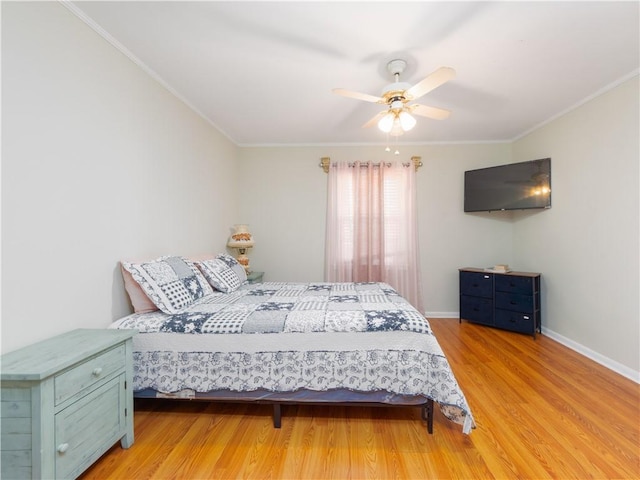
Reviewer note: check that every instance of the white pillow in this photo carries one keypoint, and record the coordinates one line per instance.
(172, 283)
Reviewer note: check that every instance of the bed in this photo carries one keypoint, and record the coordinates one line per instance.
(289, 343)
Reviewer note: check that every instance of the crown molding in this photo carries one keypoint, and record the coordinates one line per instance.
(127, 53)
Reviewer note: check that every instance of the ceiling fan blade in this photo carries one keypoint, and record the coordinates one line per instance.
(431, 112)
(375, 119)
(437, 78)
(357, 95)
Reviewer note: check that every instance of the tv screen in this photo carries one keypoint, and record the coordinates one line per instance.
(516, 186)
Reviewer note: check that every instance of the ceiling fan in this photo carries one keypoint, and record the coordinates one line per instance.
(398, 117)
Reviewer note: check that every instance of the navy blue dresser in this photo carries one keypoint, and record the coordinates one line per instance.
(510, 301)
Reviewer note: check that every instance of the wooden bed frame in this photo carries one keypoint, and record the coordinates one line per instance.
(426, 405)
(426, 409)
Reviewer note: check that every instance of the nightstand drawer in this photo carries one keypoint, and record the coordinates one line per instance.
(476, 309)
(476, 284)
(514, 302)
(513, 284)
(87, 373)
(84, 429)
(516, 321)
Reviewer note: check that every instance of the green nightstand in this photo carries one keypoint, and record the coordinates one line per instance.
(66, 401)
(255, 277)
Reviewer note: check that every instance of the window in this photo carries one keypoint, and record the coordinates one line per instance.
(372, 226)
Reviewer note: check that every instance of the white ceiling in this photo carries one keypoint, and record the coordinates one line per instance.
(262, 72)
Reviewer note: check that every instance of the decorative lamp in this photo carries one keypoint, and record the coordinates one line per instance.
(241, 239)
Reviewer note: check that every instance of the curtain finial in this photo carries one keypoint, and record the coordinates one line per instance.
(324, 163)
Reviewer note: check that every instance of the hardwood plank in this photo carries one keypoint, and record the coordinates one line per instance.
(543, 411)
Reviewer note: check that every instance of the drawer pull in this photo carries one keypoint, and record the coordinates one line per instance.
(487, 276)
(513, 302)
(97, 372)
(526, 317)
(63, 447)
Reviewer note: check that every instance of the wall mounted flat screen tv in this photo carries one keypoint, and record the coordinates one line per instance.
(516, 186)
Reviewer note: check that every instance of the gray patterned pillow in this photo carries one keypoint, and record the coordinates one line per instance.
(172, 283)
(233, 264)
(220, 275)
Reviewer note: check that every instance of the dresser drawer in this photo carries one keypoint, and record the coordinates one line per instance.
(513, 284)
(476, 309)
(515, 321)
(89, 426)
(88, 373)
(514, 302)
(476, 284)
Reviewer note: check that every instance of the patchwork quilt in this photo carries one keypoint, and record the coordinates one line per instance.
(284, 337)
(290, 307)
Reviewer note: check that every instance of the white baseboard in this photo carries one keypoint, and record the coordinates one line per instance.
(441, 315)
(617, 367)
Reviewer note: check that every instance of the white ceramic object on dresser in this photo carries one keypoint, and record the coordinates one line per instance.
(66, 401)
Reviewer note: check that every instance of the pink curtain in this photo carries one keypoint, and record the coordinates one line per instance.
(372, 233)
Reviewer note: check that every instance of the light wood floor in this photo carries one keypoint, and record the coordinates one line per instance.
(543, 411)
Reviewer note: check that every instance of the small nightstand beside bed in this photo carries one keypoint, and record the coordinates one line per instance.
(222, 338)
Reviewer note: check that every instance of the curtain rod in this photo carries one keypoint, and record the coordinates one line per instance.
(326, 161)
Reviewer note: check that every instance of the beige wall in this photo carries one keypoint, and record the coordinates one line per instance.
(99, 163)
(284, 201)
(587, 245)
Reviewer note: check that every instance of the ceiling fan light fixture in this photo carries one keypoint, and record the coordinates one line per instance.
(386, 122)
(396, 129)
(407, 121)
(398, 118)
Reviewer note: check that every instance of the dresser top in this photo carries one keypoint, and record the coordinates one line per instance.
(43, 359)
(514, 273)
